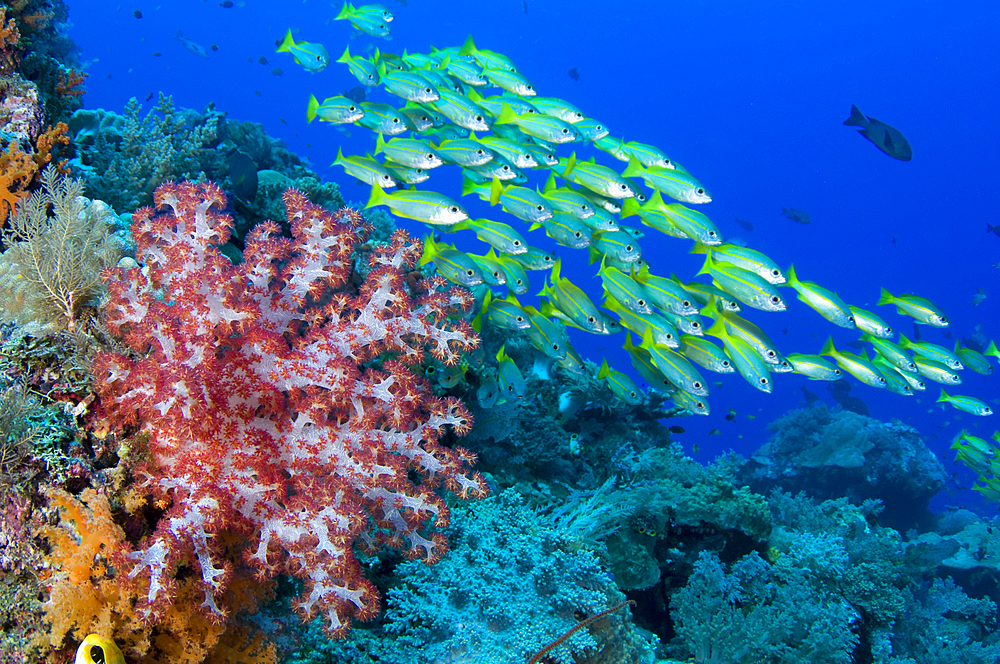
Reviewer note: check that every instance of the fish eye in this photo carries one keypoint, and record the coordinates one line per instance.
(888, 330)
(395, 120)
(850, 318)
(775, 273)
(585, 207)
(623, 187)
(696, 384)
(430, 155)
(763, 380)
(775, 299)
(517, 243)
(470, 272)
(699, 405)
(565, 131)
(712, 234)
(428, 90)
(478, 118)
(628, 247)
(519, 319)
(669, 336)
(506, 168)
(836, 372)
(496, 275)
(641, 302)
(591, 319)
(686, 303)
(519, 282)
(555, 346)
(453, 209)
(770, 353)
(540, 208)
(725, 364)
(700, 190)
(479, 152)
(695, 325)
(578, 234)
(351, 108)
(528, 87)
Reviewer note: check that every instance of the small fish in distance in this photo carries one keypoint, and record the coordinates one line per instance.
(745, 224)
(574, 74)
(990, 228)
(800, 216)
(886, 138)
(192, 46)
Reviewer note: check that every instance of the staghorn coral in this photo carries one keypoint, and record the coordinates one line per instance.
(57, 244)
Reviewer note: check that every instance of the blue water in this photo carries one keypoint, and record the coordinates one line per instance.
(749, 97)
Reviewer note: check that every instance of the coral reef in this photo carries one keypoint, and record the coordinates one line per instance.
(831, 454)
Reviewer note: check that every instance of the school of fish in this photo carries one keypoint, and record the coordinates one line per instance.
(472, 109)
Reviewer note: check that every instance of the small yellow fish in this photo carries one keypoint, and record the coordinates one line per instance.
(110, 654)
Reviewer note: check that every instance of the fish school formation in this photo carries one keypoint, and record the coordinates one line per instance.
(472, 109)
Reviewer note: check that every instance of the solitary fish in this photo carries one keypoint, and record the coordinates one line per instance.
(191, 45)
(886, 138)
(800, 216)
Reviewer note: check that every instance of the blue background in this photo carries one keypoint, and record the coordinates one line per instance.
(750, 97)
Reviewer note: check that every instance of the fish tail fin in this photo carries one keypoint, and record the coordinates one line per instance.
(468, 47)
(904, 342)
(535, 226)
(550, 184)
(700, 248)
(857, 118)
(378, 197)
(379, 144)
(992, 350)
(990, 228)
(507, 115)
(829, 350)
(944, 398)
(570, 165)
(286, 44)
(706, 267)
(468, 186)
(312, 108)
(717, 329)
(496, 190)
(430, 250)
(604, 371)
(344, 13)
(346, 57)
(885, 298)
(634, 168)
(790, 276)
(340, 157)
(630, 207)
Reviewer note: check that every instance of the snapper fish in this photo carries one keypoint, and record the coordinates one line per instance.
(886, 138)
(312, 57)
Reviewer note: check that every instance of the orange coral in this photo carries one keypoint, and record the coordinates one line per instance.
(9, 35)
(19, 169)
(90, 592)
(71, 83)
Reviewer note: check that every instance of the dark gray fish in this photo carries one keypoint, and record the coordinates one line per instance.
(574, 74)
(886, 138)
(990, 228)
(800, 216)
(810, 397)
(277, 71)
(243, 175)
(357, 93)
(192, 46)
(744, 223)
(847, 402)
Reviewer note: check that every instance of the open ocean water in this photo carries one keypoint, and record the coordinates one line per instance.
(749, 97)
